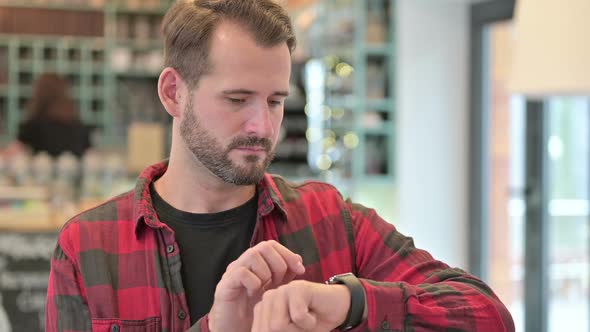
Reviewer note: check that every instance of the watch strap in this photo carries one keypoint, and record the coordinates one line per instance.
(357, 299)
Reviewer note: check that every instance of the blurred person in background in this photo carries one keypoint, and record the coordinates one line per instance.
(209, 241)
(52, 121)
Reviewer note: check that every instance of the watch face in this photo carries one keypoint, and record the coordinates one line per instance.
(339, 278)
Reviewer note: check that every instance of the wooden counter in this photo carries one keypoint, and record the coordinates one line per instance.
(40, 220)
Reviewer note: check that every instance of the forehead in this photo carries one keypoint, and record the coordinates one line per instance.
(233, 51)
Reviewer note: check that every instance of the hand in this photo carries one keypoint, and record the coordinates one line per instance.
(265, 266)
(302, 306)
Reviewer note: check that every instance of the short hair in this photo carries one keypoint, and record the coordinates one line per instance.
(188, 25)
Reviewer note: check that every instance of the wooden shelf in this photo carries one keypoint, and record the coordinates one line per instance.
(23, 193)
(50, 6)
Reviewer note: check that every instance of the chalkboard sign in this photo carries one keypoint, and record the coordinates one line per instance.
(24, 272)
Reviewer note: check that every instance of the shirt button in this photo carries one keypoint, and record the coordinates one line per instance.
(170, 249)
(181, 315)
(385, 325)
(115, 328)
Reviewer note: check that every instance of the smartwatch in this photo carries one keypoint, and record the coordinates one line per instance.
(357, 299)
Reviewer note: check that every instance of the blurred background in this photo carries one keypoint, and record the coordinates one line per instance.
(464, 123)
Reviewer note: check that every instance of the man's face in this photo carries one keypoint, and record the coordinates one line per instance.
(232, 119)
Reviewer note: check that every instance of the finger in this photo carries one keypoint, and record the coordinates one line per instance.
(280, 320)
(292, 328)
(258, 265)
(294, 261)
(257, 321)
(299, 312)
(276, 262)
(254, 261)
(279, 316)
(288, 277)
(265, 310)
(234, 282)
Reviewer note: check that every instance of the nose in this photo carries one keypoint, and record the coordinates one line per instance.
(260, 122)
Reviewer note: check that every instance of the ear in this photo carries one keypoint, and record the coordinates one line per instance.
(171, 90)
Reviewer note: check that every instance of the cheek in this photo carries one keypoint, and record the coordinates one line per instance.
(226, 126)
(277, 121)
(214, 117)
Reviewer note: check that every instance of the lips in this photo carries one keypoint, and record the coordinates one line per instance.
(251, 148)
(253, 144)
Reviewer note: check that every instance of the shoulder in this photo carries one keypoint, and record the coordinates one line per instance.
(28, 127)
(112, 209)
(319, 198)
(291, 190)
(94, 224)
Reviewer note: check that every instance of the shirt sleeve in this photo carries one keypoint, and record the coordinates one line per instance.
(66, 308)
(408, 290)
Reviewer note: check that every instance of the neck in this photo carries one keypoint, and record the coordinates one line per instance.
(188, 186)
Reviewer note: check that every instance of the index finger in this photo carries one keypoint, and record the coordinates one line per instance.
(293, 260)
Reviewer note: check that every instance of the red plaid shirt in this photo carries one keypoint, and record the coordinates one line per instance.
(116, 267)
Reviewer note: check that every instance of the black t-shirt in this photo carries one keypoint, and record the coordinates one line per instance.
(208, 243)
(55, 137)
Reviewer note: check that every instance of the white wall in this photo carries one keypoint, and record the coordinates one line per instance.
(432, 140)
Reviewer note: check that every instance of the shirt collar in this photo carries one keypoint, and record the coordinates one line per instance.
(144, 213)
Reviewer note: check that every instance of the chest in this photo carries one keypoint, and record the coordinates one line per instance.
(146, 283)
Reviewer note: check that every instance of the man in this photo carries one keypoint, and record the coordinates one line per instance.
(208, 241)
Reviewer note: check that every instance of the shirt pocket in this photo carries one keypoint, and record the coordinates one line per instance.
(122, 325)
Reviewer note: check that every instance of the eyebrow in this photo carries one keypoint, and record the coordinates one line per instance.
(250, 92)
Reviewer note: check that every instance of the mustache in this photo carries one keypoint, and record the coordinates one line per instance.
(250, 141)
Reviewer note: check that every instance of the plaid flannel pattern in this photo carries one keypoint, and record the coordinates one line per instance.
(116, 267)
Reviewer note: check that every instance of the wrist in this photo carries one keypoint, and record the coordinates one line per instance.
(343, 304)
(357, 303)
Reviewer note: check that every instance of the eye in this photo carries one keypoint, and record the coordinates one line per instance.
(236, 100)
(275, 102)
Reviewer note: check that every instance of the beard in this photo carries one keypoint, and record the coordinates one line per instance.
(215, 157)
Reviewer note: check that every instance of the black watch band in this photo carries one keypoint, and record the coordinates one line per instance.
(357, 299)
